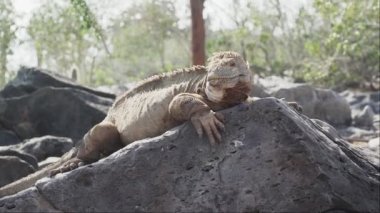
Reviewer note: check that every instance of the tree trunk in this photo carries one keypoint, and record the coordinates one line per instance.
(198, 32)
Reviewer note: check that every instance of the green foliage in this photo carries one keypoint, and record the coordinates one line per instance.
(7, 35)
(102, 77)
(147, 39)
(350, 49)
(88, 21)
(334, 42)
(328, 42)
(63, 38)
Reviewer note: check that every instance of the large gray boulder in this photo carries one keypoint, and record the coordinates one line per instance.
(28, 158)
(258, 90)
(323, 104)
(15, 164)
(22, 159)
(8, 138)
(30, 79)
(65, 112)
(365, 118)
(13, 168)
(45, 146)
(38, 102)
(358, 100)
(271, 159)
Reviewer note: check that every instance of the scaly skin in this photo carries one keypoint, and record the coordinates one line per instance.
(159, 104)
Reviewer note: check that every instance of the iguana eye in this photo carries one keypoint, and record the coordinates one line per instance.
(232, 64)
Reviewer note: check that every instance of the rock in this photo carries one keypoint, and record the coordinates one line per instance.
(374, 144)
(46, 146)
(30, 159)
(327, 128)
(358, 100)
(356, 134)
(362, 147)
(32, 151)
(365, 118)
(322, 104)
(8, 138)
(375, 96)
(29, 80)
(258, 90)
(65, 112)
(376, 122)
(370, 151)
(271, 159)
(353, 97)
(13, 168)
(275, 83)
(31, 201)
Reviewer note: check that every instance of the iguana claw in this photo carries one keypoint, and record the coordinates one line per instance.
(210, 122)
(68, 166)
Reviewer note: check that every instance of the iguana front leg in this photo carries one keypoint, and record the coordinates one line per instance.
(193, 107)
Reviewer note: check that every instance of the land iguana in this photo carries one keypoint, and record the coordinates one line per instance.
(156, 105)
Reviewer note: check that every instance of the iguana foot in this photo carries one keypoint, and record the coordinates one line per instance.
(210, 122)
(67, 166)
(296, 106)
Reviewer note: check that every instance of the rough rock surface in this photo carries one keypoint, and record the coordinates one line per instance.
(365, 118)
(30, 159)
(46, 146)
(358, 100)
(66, 112)
(271, 159)
(8, 138)
(22, 159)
(258, 90)
(15, 164)
(323, 104)
(13, 168)
(319, 103)
(352, 133)
(38, 102)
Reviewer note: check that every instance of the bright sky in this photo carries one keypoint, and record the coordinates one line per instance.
(105, 10)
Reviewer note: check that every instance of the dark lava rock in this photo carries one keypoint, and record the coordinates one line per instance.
(13, 168)
(271, 159)
(30, 159)
(46, 146)
(8, 138)
(66, 112)
(29, 80)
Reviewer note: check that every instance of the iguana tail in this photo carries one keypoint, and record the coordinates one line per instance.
(31, 179)
(102, 139)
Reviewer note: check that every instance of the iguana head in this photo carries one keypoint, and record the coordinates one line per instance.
(228, 79)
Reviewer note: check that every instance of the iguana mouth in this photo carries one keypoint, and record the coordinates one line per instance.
(212, 78)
